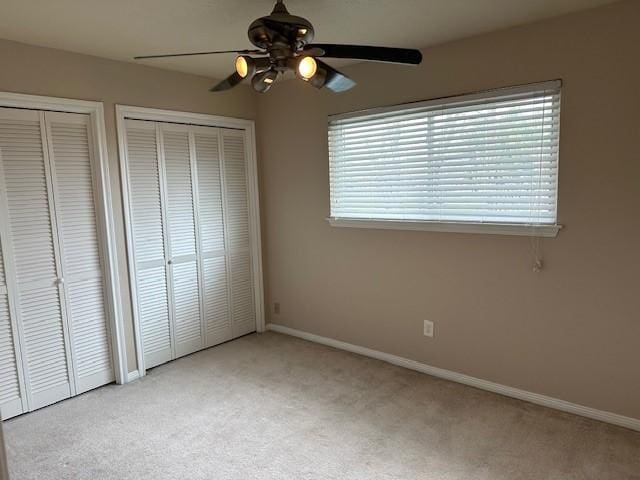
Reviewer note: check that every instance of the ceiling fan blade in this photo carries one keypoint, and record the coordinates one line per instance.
(229, 82)
(240, 52)
(362, 52)
(331, 79)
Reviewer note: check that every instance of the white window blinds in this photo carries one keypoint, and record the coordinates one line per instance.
(482, 158)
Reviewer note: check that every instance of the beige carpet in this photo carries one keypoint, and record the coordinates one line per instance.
(275, 407)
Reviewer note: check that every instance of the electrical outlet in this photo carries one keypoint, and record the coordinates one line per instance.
(276, 308)
(428, 328)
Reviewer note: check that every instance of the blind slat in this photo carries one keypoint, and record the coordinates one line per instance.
(419, 132)
(417, 162)
(468, 159)
(483, 123)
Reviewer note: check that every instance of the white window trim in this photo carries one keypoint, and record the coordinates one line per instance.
(124, 112)
(107, 237)
(518, 229)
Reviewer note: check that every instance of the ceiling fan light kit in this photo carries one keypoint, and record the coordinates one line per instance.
(263, 81)
(284, 44)
(247, 66)
(306, 67)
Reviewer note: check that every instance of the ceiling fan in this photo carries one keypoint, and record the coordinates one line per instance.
(283, 42)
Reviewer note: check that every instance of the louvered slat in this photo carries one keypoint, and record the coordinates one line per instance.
(145, 192)
(31, 234)
(27, 200)
(216, 301)
(3, 281)
(44, 345)
(77, 223)
(237, 216)
(154, 315)
(188, 335)
(244, 318)
(489, 158)
(179, 193)
(148, 242)
(9, 386)
(211, 221)
(11, 401)
(235, 174)
(209, 191)
(186, 298)
(91, 344)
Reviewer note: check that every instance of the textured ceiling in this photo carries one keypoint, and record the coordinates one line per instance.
(120, 29)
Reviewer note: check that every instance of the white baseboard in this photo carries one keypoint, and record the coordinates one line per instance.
(131, 376)
(603, 416)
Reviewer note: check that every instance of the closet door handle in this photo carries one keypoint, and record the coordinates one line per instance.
(170, 262)
(59, 281)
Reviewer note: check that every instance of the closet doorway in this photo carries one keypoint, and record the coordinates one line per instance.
(192, 224)
(59, 328)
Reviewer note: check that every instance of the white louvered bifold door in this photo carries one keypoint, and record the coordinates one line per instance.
(71, 152)
(148, 236)
(243, 317)
(183, 265)
(189, 216)
(30, 225)
(211, 221)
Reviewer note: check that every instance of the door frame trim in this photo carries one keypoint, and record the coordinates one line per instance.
(124, 112)
(106, 225)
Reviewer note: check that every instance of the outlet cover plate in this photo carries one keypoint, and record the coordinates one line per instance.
(428, 328)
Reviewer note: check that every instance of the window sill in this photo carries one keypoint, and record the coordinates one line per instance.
(452, 227)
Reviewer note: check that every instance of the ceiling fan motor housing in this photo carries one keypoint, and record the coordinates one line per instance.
(280, 29)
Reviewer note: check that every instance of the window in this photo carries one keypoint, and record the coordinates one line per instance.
(475, 163)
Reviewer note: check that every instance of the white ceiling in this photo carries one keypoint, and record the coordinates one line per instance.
(121, 29)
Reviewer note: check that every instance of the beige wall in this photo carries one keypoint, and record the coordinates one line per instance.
(43, 71)
(571, 331)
